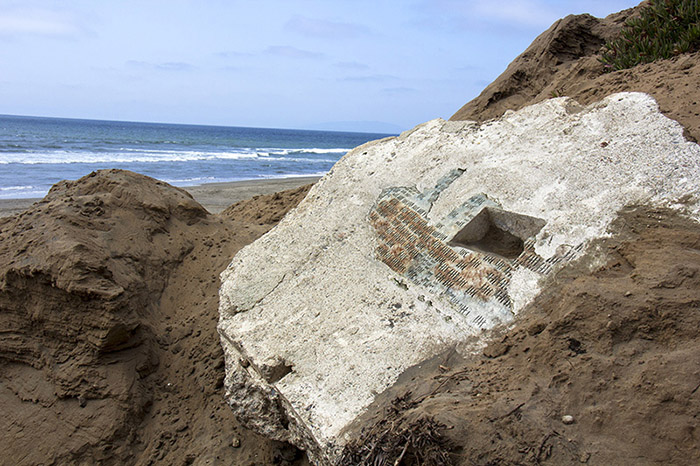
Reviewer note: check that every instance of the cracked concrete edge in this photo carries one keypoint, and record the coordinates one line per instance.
(261, 407)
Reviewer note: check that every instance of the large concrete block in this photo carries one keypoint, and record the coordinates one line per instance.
(416, 243)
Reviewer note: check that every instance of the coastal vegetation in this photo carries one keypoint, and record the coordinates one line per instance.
(663, 29)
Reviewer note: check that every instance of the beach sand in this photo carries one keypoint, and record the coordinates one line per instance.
(214, 197)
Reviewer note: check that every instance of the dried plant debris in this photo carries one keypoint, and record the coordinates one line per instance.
(388, 443)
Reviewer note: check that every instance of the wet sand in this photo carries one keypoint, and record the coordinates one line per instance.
(215, 197)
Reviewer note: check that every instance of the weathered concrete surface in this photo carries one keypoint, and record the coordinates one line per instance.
(414, 243)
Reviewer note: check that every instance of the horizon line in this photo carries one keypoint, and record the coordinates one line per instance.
(195, 124)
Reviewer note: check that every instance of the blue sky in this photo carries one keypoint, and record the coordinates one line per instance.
(264, 63)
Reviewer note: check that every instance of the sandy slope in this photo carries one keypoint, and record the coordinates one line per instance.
(563, 61)
(108, 309)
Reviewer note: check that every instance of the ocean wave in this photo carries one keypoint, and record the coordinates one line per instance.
(23, 192)
(191, 181)
(8, 147)
(251, 151)
(128, 155)
(292, 175)
(16, 188)
(185, 182)
(313, 150)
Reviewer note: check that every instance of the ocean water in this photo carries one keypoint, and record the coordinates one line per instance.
(37, 152)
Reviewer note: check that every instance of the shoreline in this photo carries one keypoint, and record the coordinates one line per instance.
(214, 197)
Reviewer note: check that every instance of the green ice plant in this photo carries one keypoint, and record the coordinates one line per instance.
(663, 29)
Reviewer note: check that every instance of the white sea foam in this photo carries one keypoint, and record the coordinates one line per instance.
(129, 155)
(20, 192)
(16, 188)
(192, 181)
(303, 151)
(292, 175)
(210, 179)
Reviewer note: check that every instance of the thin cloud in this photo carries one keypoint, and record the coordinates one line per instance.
(175, 66)
(37, 22)
(233, 54)
(351, 65)
(370, 78)
(467, 68)
(399, 90)
(460, 15)
(524, 13)
(230, 68)
(274, 50)
(138, 64)
(292, 52)
(167, 66)
(324, 29)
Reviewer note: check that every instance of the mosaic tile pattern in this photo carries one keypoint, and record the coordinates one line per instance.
(475, 282)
